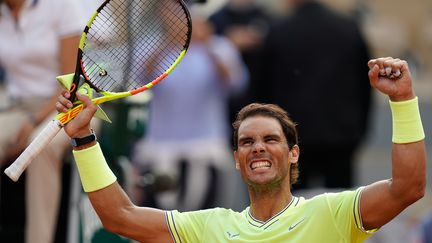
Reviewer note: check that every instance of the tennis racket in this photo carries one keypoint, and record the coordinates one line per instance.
(127, 47)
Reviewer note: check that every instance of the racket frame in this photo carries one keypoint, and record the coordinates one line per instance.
(15, 170)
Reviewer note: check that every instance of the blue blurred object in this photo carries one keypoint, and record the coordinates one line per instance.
(426, 230)
(2, 75)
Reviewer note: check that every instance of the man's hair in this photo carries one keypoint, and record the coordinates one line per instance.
(272, 111)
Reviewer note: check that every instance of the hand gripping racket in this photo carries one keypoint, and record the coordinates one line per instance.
(127, 47)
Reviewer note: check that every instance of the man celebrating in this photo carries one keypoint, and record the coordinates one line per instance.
(267, 154)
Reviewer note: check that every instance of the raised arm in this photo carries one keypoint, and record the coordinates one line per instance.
(117, 213)
(384, 200)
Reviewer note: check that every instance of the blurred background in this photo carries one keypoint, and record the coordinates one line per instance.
(390, 28)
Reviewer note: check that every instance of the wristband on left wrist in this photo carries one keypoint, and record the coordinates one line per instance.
(407, 124)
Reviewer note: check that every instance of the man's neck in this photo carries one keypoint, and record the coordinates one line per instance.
(265, 205)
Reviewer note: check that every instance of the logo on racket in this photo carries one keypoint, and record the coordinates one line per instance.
(71, 114)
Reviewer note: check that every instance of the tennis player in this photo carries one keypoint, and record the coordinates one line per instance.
(267, 154)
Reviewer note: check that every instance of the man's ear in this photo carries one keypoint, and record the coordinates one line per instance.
(294, 154)
(237, 165)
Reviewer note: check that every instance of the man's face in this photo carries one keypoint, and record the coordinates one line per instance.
(263, 156)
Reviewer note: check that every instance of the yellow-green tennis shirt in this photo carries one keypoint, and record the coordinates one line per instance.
(326, 218)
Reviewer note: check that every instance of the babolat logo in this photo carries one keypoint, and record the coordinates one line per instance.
(71, 114)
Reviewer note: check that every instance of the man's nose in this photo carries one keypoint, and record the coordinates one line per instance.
(258, 147)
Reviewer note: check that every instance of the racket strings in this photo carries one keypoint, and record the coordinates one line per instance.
(131, 43)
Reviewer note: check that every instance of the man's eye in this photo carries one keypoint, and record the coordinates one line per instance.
(247, 142)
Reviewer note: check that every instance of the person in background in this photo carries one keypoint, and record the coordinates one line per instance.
(422, 233)
(267, 154)
(245, 24)
(313, 66)
(39, 41)
(187, 136)
(2, 74)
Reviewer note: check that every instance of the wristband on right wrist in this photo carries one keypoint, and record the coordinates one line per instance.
(407, 124)
(94, 171)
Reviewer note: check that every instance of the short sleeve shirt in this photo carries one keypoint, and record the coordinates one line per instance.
(326, 218)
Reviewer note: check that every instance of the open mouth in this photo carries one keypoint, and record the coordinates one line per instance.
(260, 164)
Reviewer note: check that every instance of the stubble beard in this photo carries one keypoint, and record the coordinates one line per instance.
(271, 186)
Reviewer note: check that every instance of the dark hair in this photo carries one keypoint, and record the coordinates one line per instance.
(272, 111)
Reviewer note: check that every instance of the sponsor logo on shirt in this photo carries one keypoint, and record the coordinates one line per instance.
(232, 235)
(296, 224)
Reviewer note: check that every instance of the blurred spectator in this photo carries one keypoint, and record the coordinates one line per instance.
(423, 232)
(2, 75)
(315, 66)
(245, 24)
(426, 230)
(39, 41)
(187, 137)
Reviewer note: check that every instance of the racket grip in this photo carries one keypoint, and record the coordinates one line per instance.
(15, 170)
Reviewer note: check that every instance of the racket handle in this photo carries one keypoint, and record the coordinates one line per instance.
(15, 170)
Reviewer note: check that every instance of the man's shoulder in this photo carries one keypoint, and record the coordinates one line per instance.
(336, 195)
(224, 212)
(213, 212)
